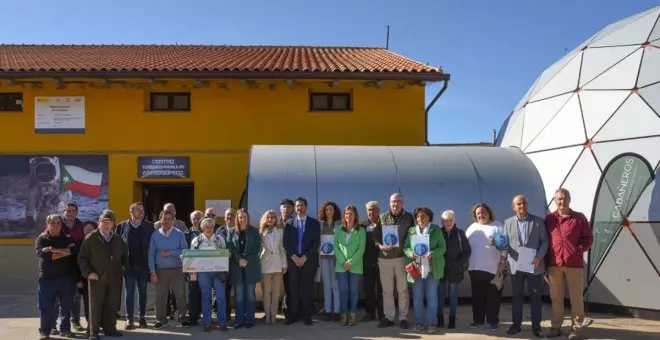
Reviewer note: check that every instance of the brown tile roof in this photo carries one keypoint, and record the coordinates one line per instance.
(211, 61)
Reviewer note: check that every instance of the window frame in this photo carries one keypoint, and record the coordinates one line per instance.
(8, 94)
(170, 101)
(329, 97)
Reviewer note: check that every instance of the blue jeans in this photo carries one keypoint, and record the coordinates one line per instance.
(136, 276)
(330, 285)
(246, 300)
(426, 289)
(534, 289)
(453, 296)
(48, 290)
(209, 282)
(349, 285)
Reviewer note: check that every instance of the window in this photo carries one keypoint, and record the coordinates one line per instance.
(165, 101)
(329, 101)
(11, 102)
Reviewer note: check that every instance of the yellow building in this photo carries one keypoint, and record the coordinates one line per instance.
(117, 124)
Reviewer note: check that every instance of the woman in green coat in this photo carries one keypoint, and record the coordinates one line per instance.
(425, 248)
(245, 268)
(349, 243)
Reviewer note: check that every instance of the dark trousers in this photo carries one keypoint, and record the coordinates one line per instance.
(228, 299)
(85, 297)
(301, 290)
(136, 276)
(106, 298)
(287, 296)
(194, 301)
(373, 290)
(534, 289)
(486, 298)
(48, 291)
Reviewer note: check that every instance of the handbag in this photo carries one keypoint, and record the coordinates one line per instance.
(413, 270)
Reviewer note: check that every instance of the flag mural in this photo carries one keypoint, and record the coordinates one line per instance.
(34, 186)
(622, 183)
(79, 180)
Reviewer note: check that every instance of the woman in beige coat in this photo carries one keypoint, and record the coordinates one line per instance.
(273, 263)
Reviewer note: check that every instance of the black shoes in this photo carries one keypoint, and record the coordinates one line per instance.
(385, 323)
(404, 324)
(538, 332)
(452, 322)
(308, 322)
(514, 329)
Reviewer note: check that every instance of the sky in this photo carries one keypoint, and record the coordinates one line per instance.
(493, 49)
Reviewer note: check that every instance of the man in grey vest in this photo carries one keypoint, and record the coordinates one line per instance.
(527, 235)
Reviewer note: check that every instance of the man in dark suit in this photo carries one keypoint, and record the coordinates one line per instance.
(302, 238)
(136, 233)
(223, 231)
(528, 231)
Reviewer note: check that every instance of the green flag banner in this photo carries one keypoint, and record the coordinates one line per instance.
(623, 180)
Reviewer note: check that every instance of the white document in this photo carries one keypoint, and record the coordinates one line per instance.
(391, 235)
(219, 205)
(327, 244)
(421, 244)
(525, 258)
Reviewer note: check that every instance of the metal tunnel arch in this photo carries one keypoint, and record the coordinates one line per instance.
(441, 178)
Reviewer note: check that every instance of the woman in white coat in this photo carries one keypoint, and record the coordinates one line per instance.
(273, 263)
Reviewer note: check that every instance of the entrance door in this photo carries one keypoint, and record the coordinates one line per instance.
(155, 195)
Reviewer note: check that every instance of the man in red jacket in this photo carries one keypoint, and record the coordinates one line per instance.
(569, 236)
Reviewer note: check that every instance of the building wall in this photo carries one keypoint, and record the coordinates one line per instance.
(218, 131)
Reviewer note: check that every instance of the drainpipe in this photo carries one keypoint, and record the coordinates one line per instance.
(428, 108)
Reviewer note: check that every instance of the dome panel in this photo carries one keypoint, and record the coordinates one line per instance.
(648, 235)
(538, 114)
(596, 60)
(619, 283)
(514, 131)
(635, 32)
(565, 81)
(554, 165)
(567, 123)
(633, 119)
(582, 182)
(598, 107)
(551, 72)
(621, 76)
(611, 28)
(646, 147)
(525, 98)
(650, 71)
(651, 95)
(655, 35)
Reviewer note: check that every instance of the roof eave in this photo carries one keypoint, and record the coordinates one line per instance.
(419, 76)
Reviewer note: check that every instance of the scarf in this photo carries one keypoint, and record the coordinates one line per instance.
(425, 265)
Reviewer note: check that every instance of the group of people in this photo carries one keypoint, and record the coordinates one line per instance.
(292, 249)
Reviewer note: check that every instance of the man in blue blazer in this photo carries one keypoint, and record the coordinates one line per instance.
(302, 238)
(526, 230)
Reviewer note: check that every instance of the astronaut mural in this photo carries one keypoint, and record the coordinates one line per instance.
(31, 187)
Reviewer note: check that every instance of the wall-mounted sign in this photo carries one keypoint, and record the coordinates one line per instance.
(59, 115)
(163, 167)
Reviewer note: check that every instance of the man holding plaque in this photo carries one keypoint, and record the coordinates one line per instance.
(528, 244)
(390, 237)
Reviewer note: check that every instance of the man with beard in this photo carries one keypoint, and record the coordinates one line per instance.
(102, 259)
(136, 233)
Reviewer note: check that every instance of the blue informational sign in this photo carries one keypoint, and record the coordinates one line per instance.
(163, 167)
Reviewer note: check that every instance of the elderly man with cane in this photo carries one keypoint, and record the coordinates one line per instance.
(102, 258)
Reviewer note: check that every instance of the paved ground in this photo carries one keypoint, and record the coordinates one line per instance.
(19, 320)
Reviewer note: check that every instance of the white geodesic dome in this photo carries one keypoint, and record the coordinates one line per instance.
(601, 100)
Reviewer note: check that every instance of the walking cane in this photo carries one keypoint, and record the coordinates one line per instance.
(89, 309)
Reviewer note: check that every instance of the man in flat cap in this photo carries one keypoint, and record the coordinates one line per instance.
(102, 258)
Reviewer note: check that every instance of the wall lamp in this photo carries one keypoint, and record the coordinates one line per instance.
(374, 83)
(154, 82)
(333, 84)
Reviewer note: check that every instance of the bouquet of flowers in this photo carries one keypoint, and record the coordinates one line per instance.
(500, 240)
